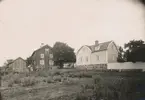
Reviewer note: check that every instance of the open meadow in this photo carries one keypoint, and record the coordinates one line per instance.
(73, 84)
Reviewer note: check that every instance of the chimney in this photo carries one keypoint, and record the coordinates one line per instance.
(42, 44)
(96, 42)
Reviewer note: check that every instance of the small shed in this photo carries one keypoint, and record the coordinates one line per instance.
(18, 65)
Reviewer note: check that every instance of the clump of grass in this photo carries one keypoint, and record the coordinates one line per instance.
(81, 96)
(10, 83)
(57, 78)
(49, 79)
(28, 81)
(69, 81)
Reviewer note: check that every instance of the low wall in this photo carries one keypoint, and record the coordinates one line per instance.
(93, 66)
(126, 65)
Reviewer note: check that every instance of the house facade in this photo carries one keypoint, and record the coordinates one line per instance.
(18, 65)
(43, 57)
(99, 54)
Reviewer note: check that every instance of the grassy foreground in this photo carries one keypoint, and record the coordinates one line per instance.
(73, 84)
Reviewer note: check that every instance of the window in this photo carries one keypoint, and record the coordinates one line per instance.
(97, 58)
(47, 50)
(51, 55)
(41, 55)
(41, 62)
(97, 48)
(51, 62)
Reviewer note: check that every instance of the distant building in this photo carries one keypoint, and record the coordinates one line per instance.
(18, 65)
(43, 57)
(99, 54)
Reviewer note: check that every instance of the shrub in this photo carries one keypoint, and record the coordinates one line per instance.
(49, 79)
(69, 82)
(54, 73)
(81, 96)
(10, 83)
(57, 78)
(42, 73)
(28, 81)
(97, 79)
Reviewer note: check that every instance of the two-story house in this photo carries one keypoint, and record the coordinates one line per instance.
(43, 57)
(99, 54)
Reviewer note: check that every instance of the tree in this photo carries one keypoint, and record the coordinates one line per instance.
(120, 55)
(135, 51)
(29, 61)
(142, 1)
(63, 54)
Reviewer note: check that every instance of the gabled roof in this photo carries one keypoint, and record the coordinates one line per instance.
(102, 46)
(45, 46)
(16, 59)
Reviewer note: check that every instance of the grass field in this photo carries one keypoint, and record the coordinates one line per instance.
(73, 84)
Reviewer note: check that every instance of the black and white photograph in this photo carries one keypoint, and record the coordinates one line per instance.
(72, 49)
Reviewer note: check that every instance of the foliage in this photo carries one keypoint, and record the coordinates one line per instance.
(57, 78)
(69, 81)
(10, 83)
(135, 51)
(49, 79)
(80, 75)
(120, 55)
(81, 97)
(28, 81)
(29, 61)
(63, 53)
(142, 1)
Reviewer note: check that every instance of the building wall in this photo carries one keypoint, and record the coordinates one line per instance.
(99, 57)
(89, 58)
(84, 56)
(42, 62)
(19, 65)
(126, 65)
(112, 53)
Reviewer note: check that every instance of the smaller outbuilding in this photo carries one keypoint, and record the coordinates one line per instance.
(18, 65)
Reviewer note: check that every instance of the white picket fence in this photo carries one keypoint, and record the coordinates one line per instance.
(126, 65)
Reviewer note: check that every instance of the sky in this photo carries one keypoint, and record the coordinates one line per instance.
(25, 24)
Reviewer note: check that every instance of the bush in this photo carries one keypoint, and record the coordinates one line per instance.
(55, 73)
(69, 82)
(57, 78)
(28, 81)
(97, 79)
(10, 83)
(81, 97)
(42, 73)
(80, 75)
(49, 79)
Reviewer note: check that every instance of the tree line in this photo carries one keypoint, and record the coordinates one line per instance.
(133, 51)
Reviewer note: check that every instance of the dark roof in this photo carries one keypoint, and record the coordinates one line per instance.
(102, 46)
(41, 48)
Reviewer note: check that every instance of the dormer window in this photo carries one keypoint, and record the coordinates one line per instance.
(97, 48)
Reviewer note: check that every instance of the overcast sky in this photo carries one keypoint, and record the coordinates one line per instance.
(25, 24)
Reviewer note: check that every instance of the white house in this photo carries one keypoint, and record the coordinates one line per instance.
(99, 54)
